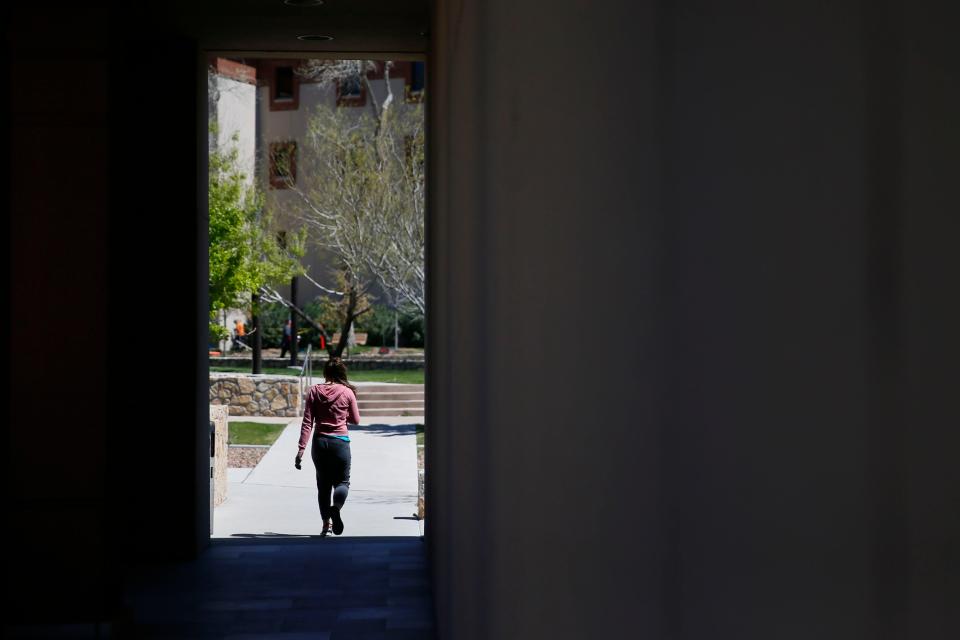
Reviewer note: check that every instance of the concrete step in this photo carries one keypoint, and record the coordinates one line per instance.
(390, 400)
(365, 397)
(376, 404)
(389, 388)
(392, 411)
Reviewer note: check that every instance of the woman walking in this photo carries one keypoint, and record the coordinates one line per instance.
(330, 406)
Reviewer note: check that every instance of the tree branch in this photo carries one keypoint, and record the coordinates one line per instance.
(274, 296)
(321, 287)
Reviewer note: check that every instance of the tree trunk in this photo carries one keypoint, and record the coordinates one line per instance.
(336, 351)
(257, 342)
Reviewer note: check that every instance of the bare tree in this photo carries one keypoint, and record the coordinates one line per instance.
(353, 303)
(364, 184)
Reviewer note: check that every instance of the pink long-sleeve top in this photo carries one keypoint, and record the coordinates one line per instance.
(331, 407)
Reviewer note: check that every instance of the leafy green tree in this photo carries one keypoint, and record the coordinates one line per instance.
(412, 330)
(380, 325)
(245, 252)
(273, 317)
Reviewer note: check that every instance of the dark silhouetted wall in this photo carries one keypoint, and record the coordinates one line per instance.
(693, 334)
(104, 136)
(59, 179)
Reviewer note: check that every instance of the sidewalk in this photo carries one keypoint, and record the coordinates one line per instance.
(275, 498)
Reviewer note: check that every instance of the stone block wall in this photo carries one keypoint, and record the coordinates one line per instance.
(355, 363)
(256, 395)
(218, 416)
(421, 506)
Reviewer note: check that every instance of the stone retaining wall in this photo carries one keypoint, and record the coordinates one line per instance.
(256, 395)
(218, 416)
(353, 364)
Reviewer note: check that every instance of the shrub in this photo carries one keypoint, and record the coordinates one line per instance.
(379, 325)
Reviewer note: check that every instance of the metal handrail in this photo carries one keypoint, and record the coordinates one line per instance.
(306, 371)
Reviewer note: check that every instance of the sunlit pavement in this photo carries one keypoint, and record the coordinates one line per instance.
(277, 499)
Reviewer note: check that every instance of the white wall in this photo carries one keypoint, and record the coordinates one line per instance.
(236, 114)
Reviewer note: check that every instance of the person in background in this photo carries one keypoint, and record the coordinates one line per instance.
(238, 332)
(329, 407)
(286, 344)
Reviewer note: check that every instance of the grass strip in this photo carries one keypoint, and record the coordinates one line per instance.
(254, 432)
(403, 376)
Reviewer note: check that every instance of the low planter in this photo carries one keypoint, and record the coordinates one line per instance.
(218, 416)
(421, 485)
(246, 456)
(421, 509)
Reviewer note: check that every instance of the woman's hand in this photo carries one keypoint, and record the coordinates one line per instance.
(296, 461)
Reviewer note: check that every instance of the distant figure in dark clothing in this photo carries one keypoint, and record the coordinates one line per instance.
(286, 344)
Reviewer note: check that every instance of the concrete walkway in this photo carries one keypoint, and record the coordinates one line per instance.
(275, 499)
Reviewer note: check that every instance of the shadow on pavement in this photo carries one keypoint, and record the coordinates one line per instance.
(387, 429)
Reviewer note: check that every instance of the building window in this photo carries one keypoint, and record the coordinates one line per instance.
(417, 83)
(351, 92)
(284, 89)
(283, 164)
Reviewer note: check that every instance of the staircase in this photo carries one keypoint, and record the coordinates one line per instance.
(390, 400)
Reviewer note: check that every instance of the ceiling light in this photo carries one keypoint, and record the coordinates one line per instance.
(315, 38)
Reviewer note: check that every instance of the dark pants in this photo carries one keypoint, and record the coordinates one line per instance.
(284, 346)
(331, 457)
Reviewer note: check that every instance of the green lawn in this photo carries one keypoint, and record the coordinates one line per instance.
(254, 432)
(274, 371)
(405, 376)
(420, 435)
